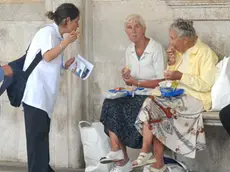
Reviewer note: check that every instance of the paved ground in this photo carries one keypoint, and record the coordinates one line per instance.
(21, 167)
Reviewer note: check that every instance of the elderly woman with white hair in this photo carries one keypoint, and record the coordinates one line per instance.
(146, 61)
(177, 122)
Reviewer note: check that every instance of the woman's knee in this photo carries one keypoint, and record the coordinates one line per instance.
(145, 125)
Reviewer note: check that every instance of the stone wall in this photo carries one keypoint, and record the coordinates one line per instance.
(19, 21)
(103, 42)
(110, 40)
(211, 20)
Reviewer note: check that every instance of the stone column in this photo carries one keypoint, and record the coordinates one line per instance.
(87, 32)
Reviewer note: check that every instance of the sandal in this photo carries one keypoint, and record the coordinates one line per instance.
(112, 157)
(144, 159)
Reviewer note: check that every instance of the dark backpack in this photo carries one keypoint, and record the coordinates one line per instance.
(15, 84)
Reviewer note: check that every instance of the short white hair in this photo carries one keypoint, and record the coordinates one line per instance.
(135, 18)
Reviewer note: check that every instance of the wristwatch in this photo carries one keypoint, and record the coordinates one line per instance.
(138, 84)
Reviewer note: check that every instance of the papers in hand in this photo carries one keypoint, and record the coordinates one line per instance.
(81, 67)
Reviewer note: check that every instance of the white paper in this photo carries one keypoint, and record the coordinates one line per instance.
(81, 67)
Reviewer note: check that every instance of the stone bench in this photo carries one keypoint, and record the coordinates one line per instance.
(211, 118)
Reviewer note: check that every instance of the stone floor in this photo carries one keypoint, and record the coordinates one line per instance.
(21, 167)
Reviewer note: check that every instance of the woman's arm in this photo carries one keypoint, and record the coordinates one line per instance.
(145, 84)
(158, 62)
(149, 84)
(55, 52)
(202, 82)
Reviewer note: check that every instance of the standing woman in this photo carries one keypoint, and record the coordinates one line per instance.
(43, 83)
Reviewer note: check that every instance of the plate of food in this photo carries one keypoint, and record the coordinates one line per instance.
(169, 89)
(130, 91)
(169, 84)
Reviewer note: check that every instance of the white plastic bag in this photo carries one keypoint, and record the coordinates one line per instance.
(221, 89)
(175, 168)
(95, 145)
(172, 165)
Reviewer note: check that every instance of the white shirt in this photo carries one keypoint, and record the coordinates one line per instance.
(43, 83)
(152, 63)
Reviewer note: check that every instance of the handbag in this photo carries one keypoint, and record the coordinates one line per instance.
(15, 84)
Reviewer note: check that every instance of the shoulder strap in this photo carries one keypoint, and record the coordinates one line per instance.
(34, 63)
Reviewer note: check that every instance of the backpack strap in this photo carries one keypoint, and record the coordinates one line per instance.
(34, 63)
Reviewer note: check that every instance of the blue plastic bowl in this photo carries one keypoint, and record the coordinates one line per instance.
(169, 92)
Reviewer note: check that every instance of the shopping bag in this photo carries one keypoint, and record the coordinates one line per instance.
(221, 89)
(172, 165)
(95, 146)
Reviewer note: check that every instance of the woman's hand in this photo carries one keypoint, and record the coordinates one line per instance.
(55, 52)
(171, 56)
(72, 36)
(173, 75)
(126, 73)
(69, 62)
(130, 81)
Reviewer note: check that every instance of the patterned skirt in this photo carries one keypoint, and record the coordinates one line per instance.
(119, 116)
(177, 122)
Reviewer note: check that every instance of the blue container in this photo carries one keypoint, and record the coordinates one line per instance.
(169, 92)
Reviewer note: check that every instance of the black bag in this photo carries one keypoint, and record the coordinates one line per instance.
(15, 84)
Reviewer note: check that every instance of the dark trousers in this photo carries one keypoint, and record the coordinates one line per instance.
(225, 118)
(37, 124)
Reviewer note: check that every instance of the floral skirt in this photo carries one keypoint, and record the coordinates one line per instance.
(177, 122)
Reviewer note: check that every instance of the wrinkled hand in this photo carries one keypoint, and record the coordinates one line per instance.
(171, 56)
(173, 75)
(126, 73)
(72, 36)
(69, 62)
(130, 81)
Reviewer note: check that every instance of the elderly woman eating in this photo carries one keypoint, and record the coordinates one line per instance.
(176, 122)
(145, 61)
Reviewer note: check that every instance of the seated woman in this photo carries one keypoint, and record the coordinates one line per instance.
(145, 59)
(177, 122)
